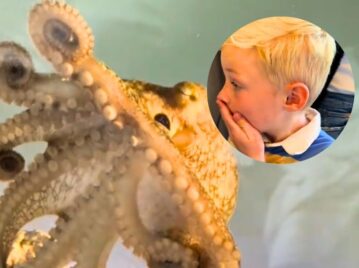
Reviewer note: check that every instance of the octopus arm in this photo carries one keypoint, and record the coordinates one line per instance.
(20, 84)
(48, 187)
(94, 238)
(199, 218)
(131, 223)
(44, 126)
(55, 106)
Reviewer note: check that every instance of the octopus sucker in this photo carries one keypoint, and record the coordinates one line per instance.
(144, 162)
(11, 164)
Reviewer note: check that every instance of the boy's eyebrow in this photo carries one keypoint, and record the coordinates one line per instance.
(238, 76)
(231, 71)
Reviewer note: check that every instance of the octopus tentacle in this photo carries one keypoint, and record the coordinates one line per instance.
(221, 250)
(106, 135)
(205, 224)
(26, 196)
(66, 236)
(16, 67)
(95, 246)
(58, 159)
(37, 125)
(86, 70)
(20, 84)
(50, 111)
(58, 40)
(128, 221)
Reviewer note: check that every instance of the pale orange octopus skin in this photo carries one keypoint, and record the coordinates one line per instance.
(125, 159)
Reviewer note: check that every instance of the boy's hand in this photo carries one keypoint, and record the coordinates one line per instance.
(244, 136)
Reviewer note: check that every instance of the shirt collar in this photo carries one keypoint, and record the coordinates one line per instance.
(300, 141)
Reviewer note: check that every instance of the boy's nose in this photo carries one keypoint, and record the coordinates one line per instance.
(222, 95)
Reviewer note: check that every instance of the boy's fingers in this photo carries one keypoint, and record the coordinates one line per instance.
(236, 124)
(226, 115)
(237, 117)
(234, 129)
(242, 123)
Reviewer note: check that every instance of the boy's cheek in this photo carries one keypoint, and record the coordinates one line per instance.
(257, 125)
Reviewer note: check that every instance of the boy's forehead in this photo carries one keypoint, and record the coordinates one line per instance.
(234, 59)
(244, 64)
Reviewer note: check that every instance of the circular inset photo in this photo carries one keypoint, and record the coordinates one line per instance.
(280, 90)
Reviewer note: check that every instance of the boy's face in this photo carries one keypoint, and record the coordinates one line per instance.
(248, 90)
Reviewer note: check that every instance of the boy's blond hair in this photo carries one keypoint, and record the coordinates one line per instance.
(292, 50)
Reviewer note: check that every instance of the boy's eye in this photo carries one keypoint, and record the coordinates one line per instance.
(235, 85)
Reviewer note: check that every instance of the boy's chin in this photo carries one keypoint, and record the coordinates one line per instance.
(267, 138)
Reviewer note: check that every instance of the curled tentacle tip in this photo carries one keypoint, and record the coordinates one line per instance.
(59, 32)
(16, 65)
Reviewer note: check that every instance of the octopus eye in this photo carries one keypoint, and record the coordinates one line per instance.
(61, 36)
(11, 163)
(163, 119)
(16, 65)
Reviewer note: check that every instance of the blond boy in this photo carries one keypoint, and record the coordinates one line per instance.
(274, 70)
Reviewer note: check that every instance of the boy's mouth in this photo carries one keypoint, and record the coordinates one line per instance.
(225, 104)
(229, 110)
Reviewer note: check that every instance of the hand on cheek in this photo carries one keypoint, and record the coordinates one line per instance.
(244, 136)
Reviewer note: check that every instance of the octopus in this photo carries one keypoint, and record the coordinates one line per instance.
(125, 160)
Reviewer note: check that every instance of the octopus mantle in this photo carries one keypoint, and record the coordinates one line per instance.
(124, 160)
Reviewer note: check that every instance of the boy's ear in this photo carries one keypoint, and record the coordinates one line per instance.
(297, 96)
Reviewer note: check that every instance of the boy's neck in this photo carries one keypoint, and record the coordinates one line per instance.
(294, 123)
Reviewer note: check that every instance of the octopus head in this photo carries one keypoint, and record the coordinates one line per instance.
(177, 112)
